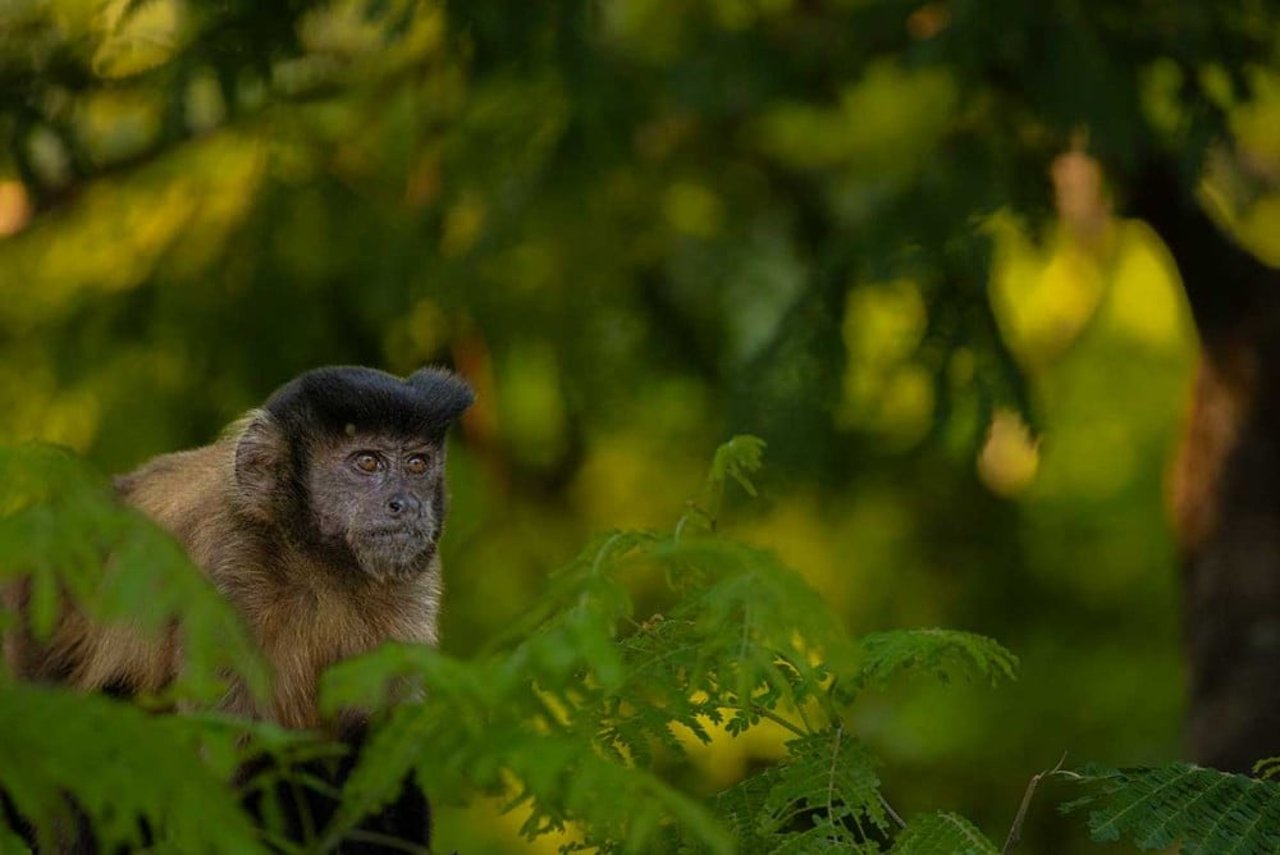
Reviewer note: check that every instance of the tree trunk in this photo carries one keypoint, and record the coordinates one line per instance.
(1227, 481)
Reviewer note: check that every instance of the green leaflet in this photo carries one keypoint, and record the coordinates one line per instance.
(1207, 811)
(826, 796)
(121, 765)
(939, 653)
(942, 834)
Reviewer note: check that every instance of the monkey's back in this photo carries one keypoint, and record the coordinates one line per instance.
(188, 493)
(120, 657)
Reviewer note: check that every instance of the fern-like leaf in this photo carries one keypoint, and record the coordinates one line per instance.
(1207, 811)
(942, 654)
(121, 766)
(942, 834)
(826, 796)
(736, 460)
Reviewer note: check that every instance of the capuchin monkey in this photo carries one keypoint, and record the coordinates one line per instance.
(317, 517)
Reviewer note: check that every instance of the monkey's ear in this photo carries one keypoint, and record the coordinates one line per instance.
(262, 456)
(447, 394)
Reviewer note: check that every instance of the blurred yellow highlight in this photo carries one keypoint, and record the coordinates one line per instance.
(463, 225)
(726, 759)
(531, 405)
(882, 123)
(884, 390)
(119, 230)
(693, 209)
(136, 36)
(1100, 322)
(119, 123)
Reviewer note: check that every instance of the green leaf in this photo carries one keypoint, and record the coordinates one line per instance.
(940, 653)
(1206, 811)
(827, 794)
(738, 459)
(942, 834)
(121, 766)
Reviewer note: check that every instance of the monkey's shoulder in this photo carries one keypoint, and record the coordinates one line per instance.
(182, 490)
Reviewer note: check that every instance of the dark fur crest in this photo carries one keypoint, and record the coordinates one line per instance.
(340, 399)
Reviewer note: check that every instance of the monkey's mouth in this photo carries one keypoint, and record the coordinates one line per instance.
(394, 550)
(399, 533)
(403, 542)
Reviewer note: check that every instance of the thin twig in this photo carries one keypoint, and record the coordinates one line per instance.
(804, 719)
(764, 712)
(1015, 831)
(888, 808)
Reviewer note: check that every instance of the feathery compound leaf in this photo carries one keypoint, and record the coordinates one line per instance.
(375, 680)
(942, 834)
(584, 600)
(623, 809)
(745, 638)
(121, 766)
(826, 795)
(1207, 811)
(738, 459)
(741, 809)
(941, 653)
(484, 725)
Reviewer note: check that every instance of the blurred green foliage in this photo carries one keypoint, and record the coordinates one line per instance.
(640, 226)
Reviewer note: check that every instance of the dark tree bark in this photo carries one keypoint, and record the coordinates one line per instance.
(1227, 480)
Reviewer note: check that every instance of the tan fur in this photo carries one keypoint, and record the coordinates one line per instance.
(304, 618)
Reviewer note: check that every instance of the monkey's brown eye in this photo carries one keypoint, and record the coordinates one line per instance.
(416, 465)
(367, 462)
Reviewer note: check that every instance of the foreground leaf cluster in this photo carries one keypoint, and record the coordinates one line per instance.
(578, 711)
(581, 714)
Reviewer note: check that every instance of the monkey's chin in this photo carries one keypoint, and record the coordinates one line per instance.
(394, 556)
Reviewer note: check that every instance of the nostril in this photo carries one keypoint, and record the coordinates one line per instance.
(401, 503)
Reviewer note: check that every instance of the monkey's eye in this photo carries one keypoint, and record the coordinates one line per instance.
(416, 465)
(367, 462)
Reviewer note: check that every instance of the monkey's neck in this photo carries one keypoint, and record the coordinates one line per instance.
(304, 618)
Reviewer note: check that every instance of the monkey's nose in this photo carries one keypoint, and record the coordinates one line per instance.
(403, 503)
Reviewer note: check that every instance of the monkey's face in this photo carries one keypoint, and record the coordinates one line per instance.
(381, 498)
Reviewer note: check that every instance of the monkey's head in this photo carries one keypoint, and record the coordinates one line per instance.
(348, 464)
